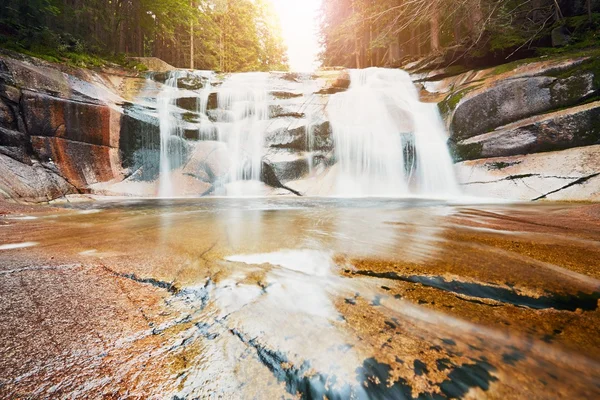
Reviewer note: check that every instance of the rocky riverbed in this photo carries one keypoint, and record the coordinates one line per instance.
(286, 298)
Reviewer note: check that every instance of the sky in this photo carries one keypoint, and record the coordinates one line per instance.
(299, 24)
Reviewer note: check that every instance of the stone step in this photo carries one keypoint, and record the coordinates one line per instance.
(564, 129)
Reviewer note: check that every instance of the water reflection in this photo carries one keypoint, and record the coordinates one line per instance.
(374, 298)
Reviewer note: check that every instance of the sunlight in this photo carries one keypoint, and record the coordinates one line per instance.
(299, 24)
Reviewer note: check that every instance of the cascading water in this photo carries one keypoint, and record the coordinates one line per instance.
(243, 99)
(385, 141)
(388, 143)
(168, 128)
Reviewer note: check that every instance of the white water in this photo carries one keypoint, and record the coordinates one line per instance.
(244, 100)
(387, 143)
(379, 128)
(168, 128)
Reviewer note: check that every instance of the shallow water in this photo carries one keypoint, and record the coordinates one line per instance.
(284, 297)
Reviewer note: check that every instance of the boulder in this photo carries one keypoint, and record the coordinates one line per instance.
(31, 182)
(485, 109)
(573, 127)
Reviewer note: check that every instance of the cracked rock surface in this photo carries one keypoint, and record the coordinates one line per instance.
(299, 298)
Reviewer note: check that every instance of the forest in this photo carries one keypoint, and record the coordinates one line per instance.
(364, 33)
(221, 35)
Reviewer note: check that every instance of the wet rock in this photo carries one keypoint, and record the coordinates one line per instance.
(292, 134)
(282, 111)
(188, 103)
(573, 127)
(483, 110)
(288, 166)
(190, 82)
(269, 177)
(139, 142)
(281, 95)
(213, 101)
(209, 161)
(340, 84)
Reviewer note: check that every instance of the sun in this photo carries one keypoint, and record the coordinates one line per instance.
(299, 25)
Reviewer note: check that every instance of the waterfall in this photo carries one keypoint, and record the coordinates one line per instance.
(388, 143)
(169, 127)
(243, 100)
(374, 139)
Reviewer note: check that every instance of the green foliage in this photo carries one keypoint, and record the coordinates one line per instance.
(230, 35)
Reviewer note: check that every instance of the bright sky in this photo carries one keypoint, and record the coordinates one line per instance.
(300, 24)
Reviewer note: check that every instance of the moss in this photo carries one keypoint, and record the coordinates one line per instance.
(463, 152)
(449, 104)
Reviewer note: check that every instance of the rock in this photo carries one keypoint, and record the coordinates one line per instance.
(288, 166)
(285, 95)
(213, 101)
(32, 183)
(573, 127)
(10, 93)
(153, 63)
(72, 120)
(41, 78)
(340, 83)
(534, 176)
(282, 111)
(291, 134)
(560, 36)
(209, 161)
(15, 144)
(7, 117)
(483, 110)
(188, 103)
(81, 164)
(190, 82)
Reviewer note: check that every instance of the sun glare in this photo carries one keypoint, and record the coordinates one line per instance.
(299, 25)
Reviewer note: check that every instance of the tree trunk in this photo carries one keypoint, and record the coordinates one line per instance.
(589, 10)
(192, 39)
(435, 29)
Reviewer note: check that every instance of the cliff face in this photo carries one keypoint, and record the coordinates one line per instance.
(527, 130)
(60, 130)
